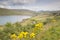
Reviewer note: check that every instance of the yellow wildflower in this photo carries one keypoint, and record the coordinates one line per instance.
(32, 35)
(13, 36)
(25, 34)
(20, 36)
(39, 25)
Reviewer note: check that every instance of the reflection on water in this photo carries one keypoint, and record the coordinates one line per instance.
(12, 19)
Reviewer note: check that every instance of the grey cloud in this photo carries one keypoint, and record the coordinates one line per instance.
(31, 4)
(17, 2)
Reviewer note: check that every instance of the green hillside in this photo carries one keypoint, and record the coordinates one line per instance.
(16, 12)
(43, 26)
(40, 27)
(25, 12)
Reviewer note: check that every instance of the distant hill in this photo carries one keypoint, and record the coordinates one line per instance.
(4, 11)
(57, 12)
(16, 12)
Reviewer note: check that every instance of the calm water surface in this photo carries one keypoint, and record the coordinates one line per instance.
(12, 19)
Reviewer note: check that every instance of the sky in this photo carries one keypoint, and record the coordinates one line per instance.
(35, 5)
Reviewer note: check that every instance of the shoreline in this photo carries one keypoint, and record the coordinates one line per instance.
(15, 15)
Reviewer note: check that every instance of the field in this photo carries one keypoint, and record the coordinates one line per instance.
(39, 27)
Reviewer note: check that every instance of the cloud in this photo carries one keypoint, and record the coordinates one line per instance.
(31, 4)
(23, 1)
(17, 2)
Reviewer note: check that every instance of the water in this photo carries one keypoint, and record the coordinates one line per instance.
(12, 19)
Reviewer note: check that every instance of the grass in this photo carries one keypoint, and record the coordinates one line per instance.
(50, 30)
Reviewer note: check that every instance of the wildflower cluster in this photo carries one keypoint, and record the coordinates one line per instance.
(39, 25)
(32, 35)
(22, 35)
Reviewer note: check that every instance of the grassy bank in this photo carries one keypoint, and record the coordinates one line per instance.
(40, 27)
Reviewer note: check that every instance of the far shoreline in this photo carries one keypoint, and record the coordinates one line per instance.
(15, 15)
